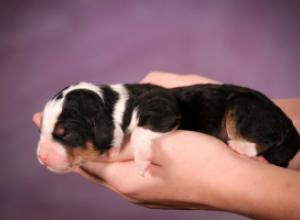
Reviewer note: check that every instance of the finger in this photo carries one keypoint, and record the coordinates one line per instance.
(117, 154)
(123, 154)
(86, 174)
(92, 177)
(37, 118)
(170, 80)
(164, 79)
(122, 176)
(171, 145)
(96, 179)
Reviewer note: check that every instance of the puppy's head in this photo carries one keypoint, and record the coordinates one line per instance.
(75, 128)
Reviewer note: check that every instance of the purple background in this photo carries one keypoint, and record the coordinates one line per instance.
(45, 45)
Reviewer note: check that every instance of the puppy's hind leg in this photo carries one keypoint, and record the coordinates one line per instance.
(253, 117)
(158, 114)
(236, 141)
(243, 147)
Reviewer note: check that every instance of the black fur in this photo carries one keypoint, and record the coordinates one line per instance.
(85, 117)
(256, 117)
(202, 108)
(157, 107)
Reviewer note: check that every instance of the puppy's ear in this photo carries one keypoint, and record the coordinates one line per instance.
(103, 133)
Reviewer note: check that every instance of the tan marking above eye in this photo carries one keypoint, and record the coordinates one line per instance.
(59, 130)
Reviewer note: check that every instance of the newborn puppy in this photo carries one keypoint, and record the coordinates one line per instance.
(85, 120)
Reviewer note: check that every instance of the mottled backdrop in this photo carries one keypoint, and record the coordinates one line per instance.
(47, 44)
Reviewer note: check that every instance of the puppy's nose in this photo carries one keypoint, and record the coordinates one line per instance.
(43, 158)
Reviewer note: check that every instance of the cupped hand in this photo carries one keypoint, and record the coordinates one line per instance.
(191, 170)
(186, 171)
(171, 80)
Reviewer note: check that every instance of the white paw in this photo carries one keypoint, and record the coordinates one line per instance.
(141, 143)
(243, 147)
(142, 158)
(142, 167)
(114, 151)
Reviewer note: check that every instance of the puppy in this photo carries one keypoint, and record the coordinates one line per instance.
(85, 120)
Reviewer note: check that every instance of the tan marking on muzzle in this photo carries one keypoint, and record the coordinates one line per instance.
(86, 153)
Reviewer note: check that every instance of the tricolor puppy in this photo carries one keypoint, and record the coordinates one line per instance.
(85, 120)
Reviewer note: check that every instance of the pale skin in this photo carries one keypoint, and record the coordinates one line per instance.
(192, 170)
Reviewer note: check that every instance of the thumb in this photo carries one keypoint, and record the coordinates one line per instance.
(37, 117)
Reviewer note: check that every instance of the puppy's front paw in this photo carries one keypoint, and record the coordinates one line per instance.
(142, 158)
(142, 167)
(113, 152)
(141, 143)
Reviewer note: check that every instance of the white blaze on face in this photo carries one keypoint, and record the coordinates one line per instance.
(50, 115)
(51, 153)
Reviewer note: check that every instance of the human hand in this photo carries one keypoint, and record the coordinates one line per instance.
(204, 174)
(186, 172)
(171, 181)
(122, 162)
(171, 80)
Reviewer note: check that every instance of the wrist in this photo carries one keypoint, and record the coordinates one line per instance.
(227, 187)
(261, 191)
(218, 189)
